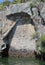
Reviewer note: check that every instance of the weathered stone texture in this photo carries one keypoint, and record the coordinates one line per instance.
(19, 36)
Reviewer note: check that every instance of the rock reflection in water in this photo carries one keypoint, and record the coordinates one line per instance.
(20, 61)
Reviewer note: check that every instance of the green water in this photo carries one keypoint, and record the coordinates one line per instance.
(20, 61)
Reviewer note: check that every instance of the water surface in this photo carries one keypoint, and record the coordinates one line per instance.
(21, 61)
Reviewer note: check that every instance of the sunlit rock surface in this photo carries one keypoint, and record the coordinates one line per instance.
(17, 8)
(22, 38)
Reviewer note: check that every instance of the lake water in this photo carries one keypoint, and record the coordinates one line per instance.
(21, 61)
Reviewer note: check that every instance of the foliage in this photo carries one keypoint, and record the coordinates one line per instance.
(6, 3)
(42, 43)
(32, 5)
(18, 1)
(34, 35)
(42, 38)
(1, 7)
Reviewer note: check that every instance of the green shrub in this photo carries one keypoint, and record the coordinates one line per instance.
(42, 39)
(41, 43)
(18, 1)
(32, 5)
(1, 7)
(34, 35)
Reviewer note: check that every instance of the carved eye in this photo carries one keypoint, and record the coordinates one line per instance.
(3, 46)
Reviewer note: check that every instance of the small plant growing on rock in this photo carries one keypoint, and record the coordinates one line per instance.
(35, 35)
(32, 5)
(41, 44)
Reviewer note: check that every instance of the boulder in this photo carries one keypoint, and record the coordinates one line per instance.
(18, 36)
(21, 43)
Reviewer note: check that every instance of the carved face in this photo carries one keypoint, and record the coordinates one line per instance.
(2, 45)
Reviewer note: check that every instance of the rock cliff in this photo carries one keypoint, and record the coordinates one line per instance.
(19, 23)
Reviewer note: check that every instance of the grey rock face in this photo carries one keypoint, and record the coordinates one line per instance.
(17, 8)
(43, 12)
(2, 24)
(19, 38)
(38, 21)
(22, 37)
(35, 11)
